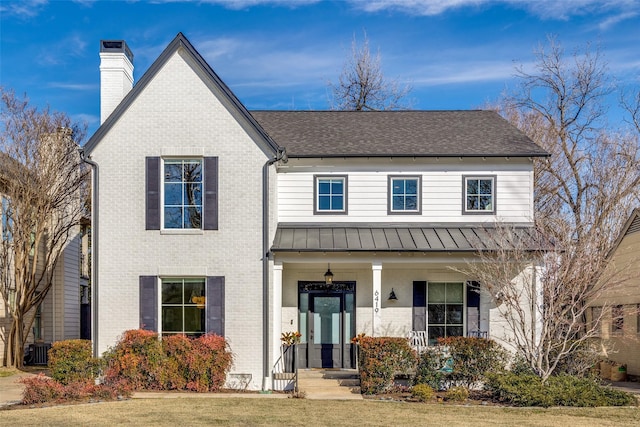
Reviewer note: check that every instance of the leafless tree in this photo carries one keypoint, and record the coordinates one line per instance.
(583, 194)
(362, 85)
(43, 186)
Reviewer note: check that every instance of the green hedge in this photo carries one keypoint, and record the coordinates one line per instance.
(381, 359)
(459, 361)
(563, 390)
(72, 360)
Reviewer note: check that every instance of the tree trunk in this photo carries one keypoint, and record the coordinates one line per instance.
(15, 344)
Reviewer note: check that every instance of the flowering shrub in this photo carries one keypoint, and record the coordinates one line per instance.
(137, 359)
(176, 362)
(42, 389)
(381, 359)
(72, 361)
(290, 338)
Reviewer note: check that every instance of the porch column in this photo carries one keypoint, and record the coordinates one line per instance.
(376, 266)
(277, 312)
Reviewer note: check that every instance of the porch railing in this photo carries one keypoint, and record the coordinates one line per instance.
(419, 340)
(285, 370)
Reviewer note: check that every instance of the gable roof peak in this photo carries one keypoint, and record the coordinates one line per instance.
(179, 41)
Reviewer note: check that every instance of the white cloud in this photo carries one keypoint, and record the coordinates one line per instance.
(90, 119)
(613, 20)
(244, 4)
(23, 9)
(73, 86)
(546, 9)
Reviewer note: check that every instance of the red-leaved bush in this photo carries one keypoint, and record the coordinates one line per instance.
(42, 389)
(174, 363)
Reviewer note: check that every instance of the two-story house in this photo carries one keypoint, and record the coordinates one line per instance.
(324, 222)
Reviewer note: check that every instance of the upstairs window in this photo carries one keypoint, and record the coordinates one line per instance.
(480, 196)
(330, 195)
(182, 193)
(404, 195)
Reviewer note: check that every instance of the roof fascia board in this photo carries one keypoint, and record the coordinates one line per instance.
(623, 232)
(448, 155)
(179, 41)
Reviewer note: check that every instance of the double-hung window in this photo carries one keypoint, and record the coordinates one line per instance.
(439, 309)
(189, 306)
(404, 195)
(445, 310)
(183, 307)
(479, 194)
(182, 193)
(330, 195)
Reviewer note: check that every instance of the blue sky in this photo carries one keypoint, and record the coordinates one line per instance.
(280, 54)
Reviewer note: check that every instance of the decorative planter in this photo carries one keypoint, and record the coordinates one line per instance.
(289, 357)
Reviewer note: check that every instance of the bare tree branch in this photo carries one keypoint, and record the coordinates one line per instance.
(44, 186)
(362, 85)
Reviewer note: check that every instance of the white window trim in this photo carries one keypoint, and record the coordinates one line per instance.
(464, 306)
(164, 230)
(159, 314)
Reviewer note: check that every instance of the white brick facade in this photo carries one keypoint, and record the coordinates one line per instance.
(178, 113)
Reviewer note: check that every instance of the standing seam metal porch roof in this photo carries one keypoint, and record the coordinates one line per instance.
(399, 237)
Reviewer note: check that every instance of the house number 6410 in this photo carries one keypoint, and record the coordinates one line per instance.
(376, 299)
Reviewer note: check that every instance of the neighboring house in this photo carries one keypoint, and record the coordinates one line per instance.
(209, 218)
(618, 308)
(58, 316)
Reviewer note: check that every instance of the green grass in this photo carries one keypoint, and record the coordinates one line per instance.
(7, 372)
(291, 412)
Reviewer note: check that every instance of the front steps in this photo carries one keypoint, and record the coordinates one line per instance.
(337, 384)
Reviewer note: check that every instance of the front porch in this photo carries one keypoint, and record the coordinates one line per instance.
(378, 295)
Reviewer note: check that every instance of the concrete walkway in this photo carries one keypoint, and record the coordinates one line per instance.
(11, 389)
(334, 384)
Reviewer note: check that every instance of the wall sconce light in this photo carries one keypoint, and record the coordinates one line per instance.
(328, 276)
(392, 296)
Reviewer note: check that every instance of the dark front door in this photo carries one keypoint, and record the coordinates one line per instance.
(327, 323)
(325, 331)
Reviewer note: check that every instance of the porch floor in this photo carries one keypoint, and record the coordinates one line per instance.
(336, 384)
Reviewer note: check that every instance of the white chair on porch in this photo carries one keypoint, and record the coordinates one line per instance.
(418, 340)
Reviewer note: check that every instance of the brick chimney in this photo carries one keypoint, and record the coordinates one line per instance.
(116, 75)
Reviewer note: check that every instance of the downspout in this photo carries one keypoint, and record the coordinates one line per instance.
(94, 251)
(281, 154)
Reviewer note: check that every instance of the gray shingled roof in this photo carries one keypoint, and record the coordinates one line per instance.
(392, 238)
(473, 133)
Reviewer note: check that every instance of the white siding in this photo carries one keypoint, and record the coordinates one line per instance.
(442, 190)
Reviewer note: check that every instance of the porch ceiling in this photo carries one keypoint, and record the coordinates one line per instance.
(394, 237)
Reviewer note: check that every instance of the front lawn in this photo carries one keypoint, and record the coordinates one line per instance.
(265, 411)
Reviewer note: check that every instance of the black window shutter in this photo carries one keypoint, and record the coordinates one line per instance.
(215, 305)
(149, 303)
(419, 306)
(152, 208)
(210, 207)
(473, 306)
